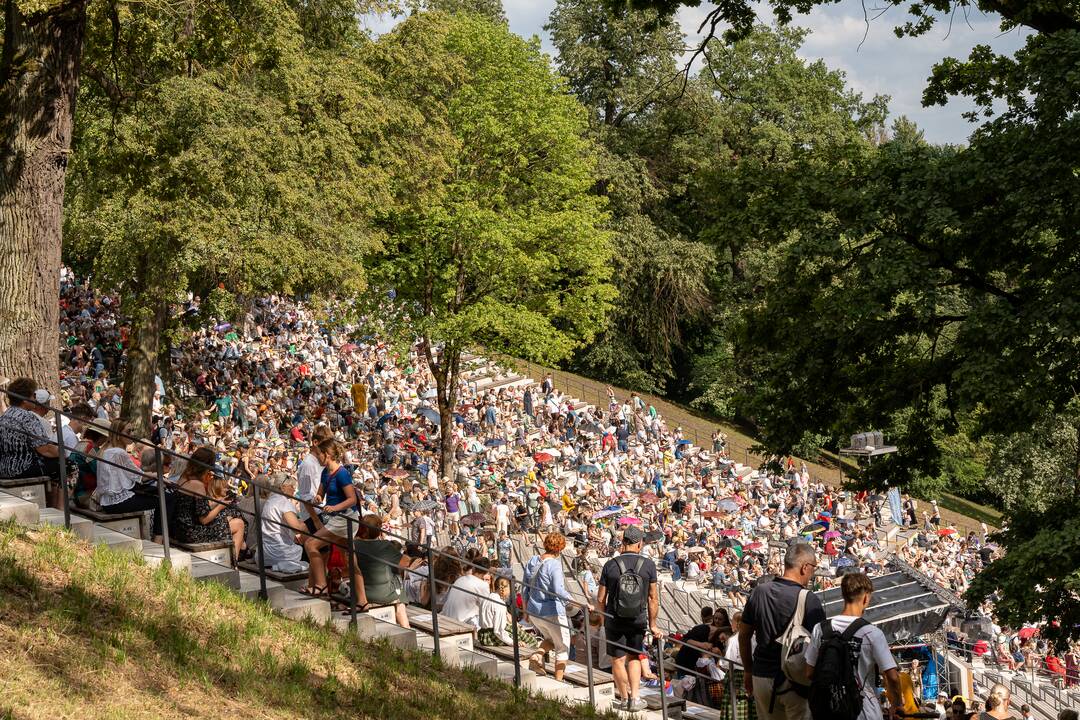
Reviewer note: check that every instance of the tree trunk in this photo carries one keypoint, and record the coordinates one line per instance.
(39, 79)
(142, 365)
(446, 377)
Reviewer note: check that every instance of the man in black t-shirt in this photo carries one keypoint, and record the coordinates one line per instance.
(767, 614)
(694, 641)
(626, 636)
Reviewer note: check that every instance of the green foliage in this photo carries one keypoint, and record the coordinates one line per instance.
(499, 245)
(490, 9)
(622, 67)
(218, 150)
(619, 64)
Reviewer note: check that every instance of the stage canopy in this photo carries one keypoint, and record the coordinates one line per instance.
(906, 604)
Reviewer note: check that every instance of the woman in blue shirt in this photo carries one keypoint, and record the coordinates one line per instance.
(545, 604)
(336, 500)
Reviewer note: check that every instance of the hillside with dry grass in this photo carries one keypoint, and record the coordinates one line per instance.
(87, 633)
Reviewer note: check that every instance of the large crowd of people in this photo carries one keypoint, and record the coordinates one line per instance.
(292, 397)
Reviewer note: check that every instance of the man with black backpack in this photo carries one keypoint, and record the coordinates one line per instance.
(844, 658)
(630, 601)
(780, 615)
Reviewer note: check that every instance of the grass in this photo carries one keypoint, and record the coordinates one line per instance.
(89, 633)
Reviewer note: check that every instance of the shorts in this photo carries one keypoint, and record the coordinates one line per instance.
(555, 629)
(453, 516)
(338, 524)
(624, 639)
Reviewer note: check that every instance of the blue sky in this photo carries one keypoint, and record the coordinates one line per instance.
(884, 65)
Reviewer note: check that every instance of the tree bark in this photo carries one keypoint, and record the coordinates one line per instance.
(39, 79)
(446, 376)
(142, 366)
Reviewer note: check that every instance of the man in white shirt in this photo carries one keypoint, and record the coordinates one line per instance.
(502, 517)
(309, 474)
(874, 654)
(467, 595)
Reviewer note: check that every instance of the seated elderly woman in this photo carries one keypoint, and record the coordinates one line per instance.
(379, 563)
(283, 532)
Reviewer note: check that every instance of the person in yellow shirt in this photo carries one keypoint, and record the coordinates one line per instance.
(359, 397)
(568, 503)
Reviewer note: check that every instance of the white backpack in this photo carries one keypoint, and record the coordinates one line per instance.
(793, 644)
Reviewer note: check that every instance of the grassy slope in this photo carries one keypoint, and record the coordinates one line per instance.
(699, 426)
(87, 633)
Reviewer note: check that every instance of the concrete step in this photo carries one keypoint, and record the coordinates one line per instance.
(206, 571)
(116, 541)
(250, 586)
(219, 555)
(80, 526)
(154, 555)
(297, 605)
(448, 648)
(33, 492)
(369, 628)
(21, 511)
(486, 664)
(506, 674)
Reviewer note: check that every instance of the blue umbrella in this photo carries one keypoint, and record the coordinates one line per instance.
(614, 508)
(589, 469)
(604, 513)
(429, 413)
(430, 394)
(495, 442)
(842, 562)
(728, 505)
(683, 442)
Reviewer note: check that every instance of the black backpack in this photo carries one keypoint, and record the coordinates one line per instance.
(835, 691)
(632, 590)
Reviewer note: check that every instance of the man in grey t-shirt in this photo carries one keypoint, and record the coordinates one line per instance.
(873, 650)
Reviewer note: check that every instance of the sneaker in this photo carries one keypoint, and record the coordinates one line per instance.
(636, 705)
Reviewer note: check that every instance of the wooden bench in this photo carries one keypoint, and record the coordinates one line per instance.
(458, 633)
(220, 553)
(134, 524)
(30, 489)
(292, 580)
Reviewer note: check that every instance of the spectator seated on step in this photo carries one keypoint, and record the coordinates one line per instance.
(379, 563)
(283, 531)
(468, 593)
(25, 451)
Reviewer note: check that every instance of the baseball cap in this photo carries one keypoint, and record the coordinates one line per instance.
(632, 535)
(43, 396)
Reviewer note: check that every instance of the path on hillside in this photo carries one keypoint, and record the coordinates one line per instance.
(699, 429)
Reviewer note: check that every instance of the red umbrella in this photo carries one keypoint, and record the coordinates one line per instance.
(648, 497)
(1028, 632)
(396, 473)
(946, 531)
(729, 533)
(543, 457)
(753, 546)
